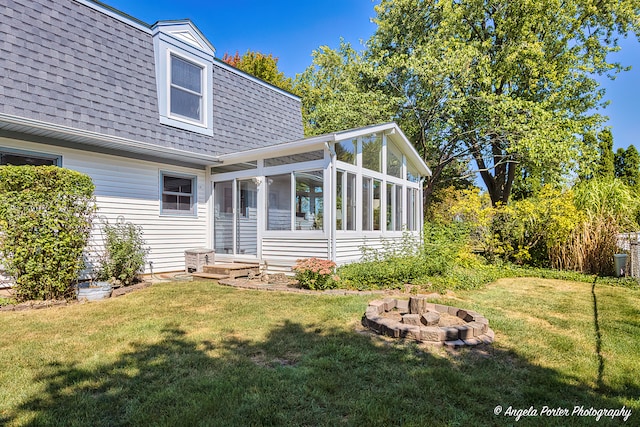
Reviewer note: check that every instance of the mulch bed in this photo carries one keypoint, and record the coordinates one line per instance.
(36, 305)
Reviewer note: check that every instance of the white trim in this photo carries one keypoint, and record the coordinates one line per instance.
(166, 44)
(193, 212)
(86, 137)
(204, 89)
(114, 14)
(316, 142)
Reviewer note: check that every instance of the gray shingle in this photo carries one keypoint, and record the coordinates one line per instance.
(95, 72)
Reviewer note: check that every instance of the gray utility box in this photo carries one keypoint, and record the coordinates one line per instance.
(196, 259)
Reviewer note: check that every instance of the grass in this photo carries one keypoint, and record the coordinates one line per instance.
(201, 354)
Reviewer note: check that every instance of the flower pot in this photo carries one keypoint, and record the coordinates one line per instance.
(93, 291)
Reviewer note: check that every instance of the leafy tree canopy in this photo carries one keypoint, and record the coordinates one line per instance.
(509, 83)
(262, 66)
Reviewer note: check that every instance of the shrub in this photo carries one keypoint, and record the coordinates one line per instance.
(124, 253)
(315, 273)
(45, 222)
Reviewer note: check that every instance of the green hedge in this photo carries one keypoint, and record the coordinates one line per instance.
(45, 221)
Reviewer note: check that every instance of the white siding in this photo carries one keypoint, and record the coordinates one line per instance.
(349, 248)
(131, 188)
(281, 253)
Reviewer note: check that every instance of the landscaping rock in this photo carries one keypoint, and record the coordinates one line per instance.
(411, 319)
(431, 333)
(430, 318)
(417, 305)
(402, 305)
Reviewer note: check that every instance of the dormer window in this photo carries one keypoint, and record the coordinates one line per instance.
(186, 89)
(184, 76)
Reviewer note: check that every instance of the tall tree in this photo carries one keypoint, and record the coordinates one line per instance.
(605, 164)
(509, 84)
(263, 66)
(627, 166)
(341, 90)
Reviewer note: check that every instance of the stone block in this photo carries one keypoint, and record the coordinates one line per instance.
(468, 317)
(471, 316)
(379, 304)
(411, 319)
(409, 331)
(481, 319)
(464, 332)
(389, 304)
(402, 305)
(453, 311)
(389, 327)
(478, 328)
(417, 305)
(441, 308)
(374, 323)
(431, 333)
(372, 311)
(454, 343)
(450, 334)
(430, 318)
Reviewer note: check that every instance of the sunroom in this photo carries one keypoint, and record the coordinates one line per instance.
(326, 196)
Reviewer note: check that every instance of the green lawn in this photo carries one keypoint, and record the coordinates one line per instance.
(201, 354)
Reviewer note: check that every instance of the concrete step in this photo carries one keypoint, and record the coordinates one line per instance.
(210, 276)
(232, 270)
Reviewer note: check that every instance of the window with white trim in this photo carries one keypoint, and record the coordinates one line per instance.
(23, 158)
(185, 96)
(184, 77)
(178, 194)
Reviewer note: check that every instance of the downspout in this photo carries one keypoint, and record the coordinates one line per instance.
(332, 206)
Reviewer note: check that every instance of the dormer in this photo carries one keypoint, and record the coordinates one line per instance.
(184, 76)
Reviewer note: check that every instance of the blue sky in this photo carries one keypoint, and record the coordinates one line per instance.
(291, 30)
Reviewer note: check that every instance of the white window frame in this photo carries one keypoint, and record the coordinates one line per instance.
(202, 119)
(165, 48)
(193, 212)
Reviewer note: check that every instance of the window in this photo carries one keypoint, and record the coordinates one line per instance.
(279, 202)
(413, 214)
(306, 205)
(377, 204)
(394, 161)
(339, 201)
(351, 202)
(391, 195)
(372, 152)
(367, 220)
(178, 194)
(412, 173)
(346, 201)
(309, 200)
(294, 158)
(186, 89)
(184, 77)
(346, 151)
(23, 158)
(398, 206)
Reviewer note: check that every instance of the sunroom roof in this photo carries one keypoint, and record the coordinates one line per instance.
(391, 129)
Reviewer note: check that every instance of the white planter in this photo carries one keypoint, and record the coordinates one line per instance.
(93, 291)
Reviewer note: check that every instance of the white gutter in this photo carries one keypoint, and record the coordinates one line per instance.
(85, 137)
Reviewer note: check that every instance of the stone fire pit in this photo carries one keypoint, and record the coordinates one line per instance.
(429, 323)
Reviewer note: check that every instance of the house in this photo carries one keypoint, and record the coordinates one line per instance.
(193, 150)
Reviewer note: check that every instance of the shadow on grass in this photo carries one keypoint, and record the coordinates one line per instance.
(304, 375)
(596, 325)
